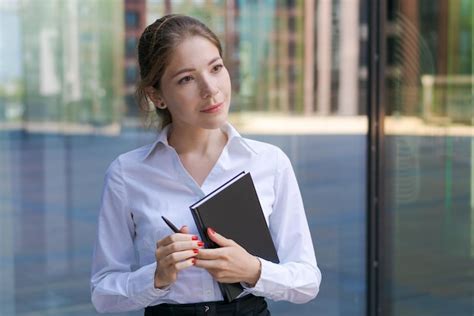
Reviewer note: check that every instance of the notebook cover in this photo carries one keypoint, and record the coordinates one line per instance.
(235, 212)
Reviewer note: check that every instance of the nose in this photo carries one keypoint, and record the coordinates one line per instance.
(208, 87)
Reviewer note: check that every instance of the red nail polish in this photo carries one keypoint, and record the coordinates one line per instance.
(196, 250)
(211, 231)
(194, 261)
(200, 243)
(194, 238)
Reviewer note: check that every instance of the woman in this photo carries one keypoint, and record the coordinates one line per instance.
(138, 262)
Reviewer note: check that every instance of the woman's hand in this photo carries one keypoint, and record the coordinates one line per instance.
(173, 254)
(230, 263)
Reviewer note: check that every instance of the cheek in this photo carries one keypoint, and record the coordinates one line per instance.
(182, 96)
(226, 84)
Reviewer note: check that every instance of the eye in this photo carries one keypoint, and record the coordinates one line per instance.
(217, 68)
(185, 80)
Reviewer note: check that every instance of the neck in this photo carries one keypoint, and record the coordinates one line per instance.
(199, 140)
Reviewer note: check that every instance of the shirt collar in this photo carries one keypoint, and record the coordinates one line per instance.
(233, 135)
(231, 132)
(161, 139)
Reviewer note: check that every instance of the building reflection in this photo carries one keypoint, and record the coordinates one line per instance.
(83, 73)
(300, 80)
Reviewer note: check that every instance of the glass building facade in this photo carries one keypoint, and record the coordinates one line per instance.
(427, 226)
(303, 79)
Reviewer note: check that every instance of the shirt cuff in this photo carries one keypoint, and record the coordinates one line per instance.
(266, 282)
(141, 286)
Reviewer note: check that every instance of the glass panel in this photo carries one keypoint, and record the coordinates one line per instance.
(67, 79)
(429, 150)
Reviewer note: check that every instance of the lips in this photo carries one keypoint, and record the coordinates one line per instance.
(213, 108)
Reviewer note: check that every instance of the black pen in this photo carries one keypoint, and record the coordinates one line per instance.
(170, 225)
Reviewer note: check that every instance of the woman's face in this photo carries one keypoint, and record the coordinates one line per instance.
(196, 86)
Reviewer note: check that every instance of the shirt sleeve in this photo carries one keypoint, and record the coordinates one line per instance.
(297, 277)
(116, 283)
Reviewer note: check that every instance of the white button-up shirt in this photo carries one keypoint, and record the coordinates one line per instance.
(146, 183)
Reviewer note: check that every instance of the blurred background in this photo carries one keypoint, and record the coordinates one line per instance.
(300, 73)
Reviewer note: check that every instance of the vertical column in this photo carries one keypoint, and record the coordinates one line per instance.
(411, 55)
(324, 56)
(349, 58)
(30, 234)
(472, 193)
(272, 60)
(71, 49)
(7, 224)
(230, 37)
(168, 8)
(283, 60)
(55, 210)
(291, 51)
(8, 193)
(308, 57)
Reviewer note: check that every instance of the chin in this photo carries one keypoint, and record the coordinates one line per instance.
(215, 123)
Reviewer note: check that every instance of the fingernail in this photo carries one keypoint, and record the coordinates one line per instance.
(194, 261)
(194, 238)
(200, 243)
(196, 250)
(211, 231)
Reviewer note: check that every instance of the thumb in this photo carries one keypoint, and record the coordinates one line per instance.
(184, 229)
(218, 238)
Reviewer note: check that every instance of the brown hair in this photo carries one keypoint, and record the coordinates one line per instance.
(156, 45)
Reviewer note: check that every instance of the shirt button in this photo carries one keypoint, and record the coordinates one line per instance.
(208, 292)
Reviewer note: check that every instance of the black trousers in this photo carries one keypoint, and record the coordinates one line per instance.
(249, 305)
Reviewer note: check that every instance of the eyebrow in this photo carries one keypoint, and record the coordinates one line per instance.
(192, 69)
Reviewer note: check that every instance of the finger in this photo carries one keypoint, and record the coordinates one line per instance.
(178, 246)
(184, 264)
(184, 229)
(176, 237)
(179, 256)
(208, 264)
(219, 239)
(211, 254)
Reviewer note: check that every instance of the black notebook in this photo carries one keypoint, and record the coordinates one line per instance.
(234, 211)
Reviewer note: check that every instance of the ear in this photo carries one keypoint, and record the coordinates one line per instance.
(154, 95)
